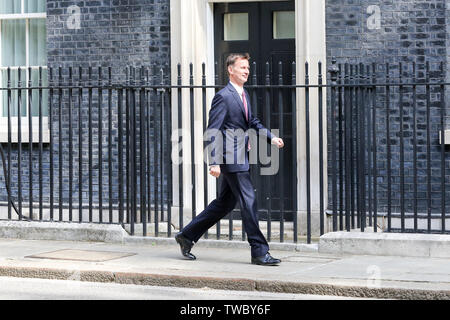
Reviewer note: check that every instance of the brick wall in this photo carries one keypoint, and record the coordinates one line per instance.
(106, 33)
(115, 33)
(408, 31)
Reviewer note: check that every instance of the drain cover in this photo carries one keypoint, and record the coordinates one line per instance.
(82, 255)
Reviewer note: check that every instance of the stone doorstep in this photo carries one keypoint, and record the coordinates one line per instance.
(386, 244)
(32, 230)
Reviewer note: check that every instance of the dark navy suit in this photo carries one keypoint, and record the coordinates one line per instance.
(227, 114)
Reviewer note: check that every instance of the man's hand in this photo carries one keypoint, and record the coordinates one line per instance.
(278, 142)
(214, 171)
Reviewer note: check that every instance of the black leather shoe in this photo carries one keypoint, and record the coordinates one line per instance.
(185, 246)
(266, 260)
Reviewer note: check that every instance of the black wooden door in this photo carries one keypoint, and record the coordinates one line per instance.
(250, 27)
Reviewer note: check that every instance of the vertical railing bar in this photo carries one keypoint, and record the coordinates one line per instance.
(130, 149)
(60, 142)
(352, 148)
(19, 140)
(294, 148)
(110, 155)
(308, 158)
(363, 147)
(70, 146)
(414, 103)
(180, 151)
(135, 131)
(216, 82)
(127, 143)
(358, 157)
(161, 154)
(374, 137)
(30, 144)
(40, 145)
(191, 94)
(80, 147)
(348, 163)
(50, 120)
(269, 178)
(149, 146)
(402, 153)
(333, 154)
(341, 148)
(255, 147)
(369, 144)
(281, 124)
(156, 169)
(149, 163)
(120, 152)
(428, 117)
(205, 169)
(90, 143)
(360, 145)
(8, 179)
(442, 107)
(142, 152)
(321, 169)
(136, 151)
(100, 146)
(356, 132)
(169, 161)
(133, 178)
(388, 145)
(357, 110)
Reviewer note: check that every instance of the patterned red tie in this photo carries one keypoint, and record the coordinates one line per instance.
(245, 105)
(246, 113)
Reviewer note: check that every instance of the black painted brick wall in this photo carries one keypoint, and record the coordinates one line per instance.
(410, 30)
(116, 33)
(112, 33)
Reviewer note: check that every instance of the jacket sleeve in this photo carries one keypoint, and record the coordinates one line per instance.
(216, 120)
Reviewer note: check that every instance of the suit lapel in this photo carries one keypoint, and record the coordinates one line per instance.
(239, 100)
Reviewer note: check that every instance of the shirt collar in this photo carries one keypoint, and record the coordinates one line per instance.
(239, 90)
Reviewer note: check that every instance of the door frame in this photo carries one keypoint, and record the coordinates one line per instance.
(192, 40)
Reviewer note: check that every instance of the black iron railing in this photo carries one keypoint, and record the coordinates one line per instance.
(388, 147)
(107, 152)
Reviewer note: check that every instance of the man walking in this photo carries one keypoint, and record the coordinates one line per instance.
(230, 112)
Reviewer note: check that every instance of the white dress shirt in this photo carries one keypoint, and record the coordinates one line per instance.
(239, 90)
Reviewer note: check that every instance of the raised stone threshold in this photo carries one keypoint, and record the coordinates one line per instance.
(386, 244)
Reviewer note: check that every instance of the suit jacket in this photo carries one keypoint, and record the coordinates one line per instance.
(227, 130)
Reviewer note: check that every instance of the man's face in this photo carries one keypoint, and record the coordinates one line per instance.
(239, 71)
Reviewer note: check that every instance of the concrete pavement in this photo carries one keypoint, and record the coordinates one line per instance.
(220, 265)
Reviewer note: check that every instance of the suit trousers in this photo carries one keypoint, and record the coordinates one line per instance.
(235, 186)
